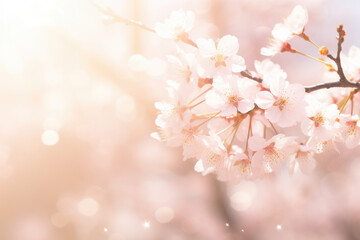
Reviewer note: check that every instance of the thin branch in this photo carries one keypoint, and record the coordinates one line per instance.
(247, 74)
(116, 18)
(337, 59)
(337, 84)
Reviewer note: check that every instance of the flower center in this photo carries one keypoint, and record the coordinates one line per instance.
(178, 28)
(318, 119)
(212, 159)
(351, 127)
(243, 165)
(272, 157)
(271, 153)
(282, 102)
(234, 100)
(219, 60)
(301, 154)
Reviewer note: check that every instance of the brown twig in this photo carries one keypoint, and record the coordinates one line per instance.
(337, 59)
(247, 74)
(338, 84)
(343, 81)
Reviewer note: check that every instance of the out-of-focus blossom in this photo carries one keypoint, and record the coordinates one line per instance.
(177, 26)
(183, 68)
(351, 64)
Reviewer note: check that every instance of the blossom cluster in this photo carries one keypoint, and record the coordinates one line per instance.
(233, 121)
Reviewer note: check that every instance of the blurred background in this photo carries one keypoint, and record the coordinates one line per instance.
(76, 106)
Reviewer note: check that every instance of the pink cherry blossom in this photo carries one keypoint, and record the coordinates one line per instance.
(293, 25)
(351, 64)
(177, 25)
(302, 159)
(284, 105)
(269, 72)
(214, 156)
(228, 120)
(192, 144)
(231, 94)
(349, 128)
(269, 154)
(182, 68)
(297, 20)
(220, 57)
(258, 125)
(238, 167)
(320, 120)
(168, 122)
(175, 114)
(276, 46)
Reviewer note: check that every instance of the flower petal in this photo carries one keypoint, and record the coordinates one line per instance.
(256, 143)
(206, 47)
(238, 64)
(273, 114)
(264, 99)
(228, 45)
(245, 105)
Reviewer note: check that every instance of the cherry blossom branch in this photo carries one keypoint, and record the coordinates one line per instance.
(116, 18)
(343, 81)
(337, 59)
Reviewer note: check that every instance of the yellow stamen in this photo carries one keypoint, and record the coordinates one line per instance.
(199, 96)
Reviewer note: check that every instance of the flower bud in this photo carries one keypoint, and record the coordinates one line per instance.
(323, 51)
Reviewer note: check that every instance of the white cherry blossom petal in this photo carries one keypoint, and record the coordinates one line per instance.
(245, 105)
(238, 64)
(228, 45)
(264, 99)
(273, 114)
(207, 47)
